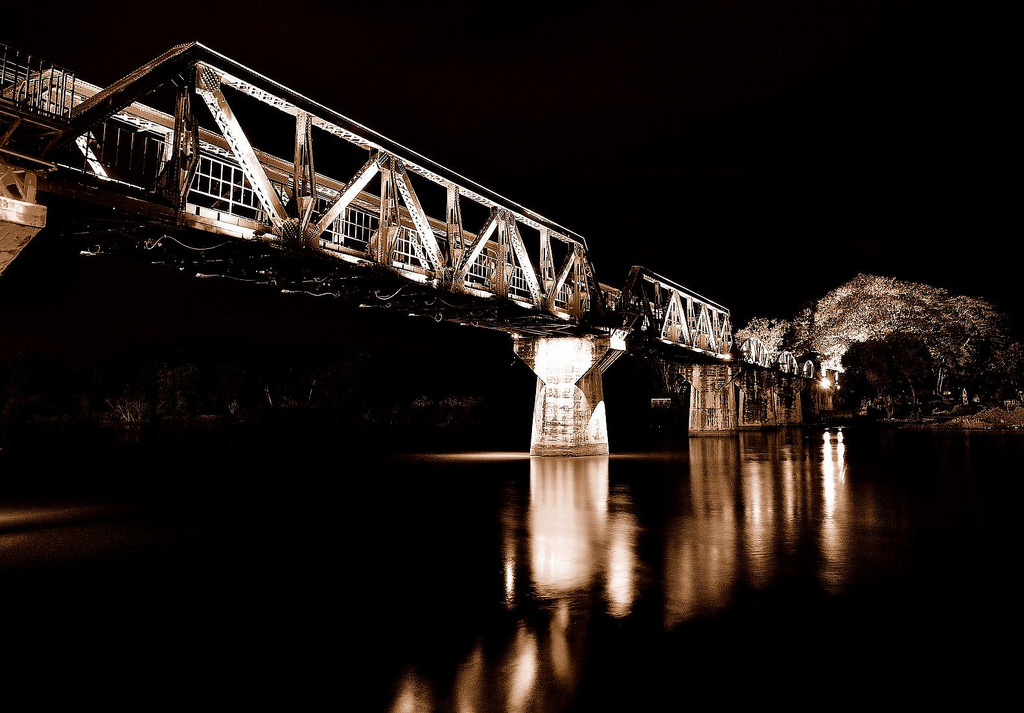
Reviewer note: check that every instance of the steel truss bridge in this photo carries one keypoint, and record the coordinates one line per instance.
(238, 176)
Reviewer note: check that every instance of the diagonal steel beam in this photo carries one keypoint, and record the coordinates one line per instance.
(363, 176)
(208, 87)
(419, 218)
(102, 105)
(675, 310)
(547, 262)
(563, 275)
(474, 250)
(90, 156)
(274, 94)
(519, 248)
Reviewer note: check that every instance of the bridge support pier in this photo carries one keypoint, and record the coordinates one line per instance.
(568, 410)
(769, 399)
(791, 411)
(712, 400)
(20, 216)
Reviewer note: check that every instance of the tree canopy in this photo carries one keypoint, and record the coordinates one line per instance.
(966, 342)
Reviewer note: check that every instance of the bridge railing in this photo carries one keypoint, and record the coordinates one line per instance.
(35, 84)
(352, 230)
(220, 185)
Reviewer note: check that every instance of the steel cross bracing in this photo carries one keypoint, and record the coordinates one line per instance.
(670, 314)
(293, 200)
(216, 179)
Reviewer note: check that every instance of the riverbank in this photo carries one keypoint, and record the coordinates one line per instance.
(991, 418)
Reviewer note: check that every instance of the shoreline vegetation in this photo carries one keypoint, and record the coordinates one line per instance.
(384, 378)
(442, 423)
(988, 418)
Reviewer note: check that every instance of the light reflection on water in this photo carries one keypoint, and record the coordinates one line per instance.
(567, 522)
(735, 509)
(499, 582)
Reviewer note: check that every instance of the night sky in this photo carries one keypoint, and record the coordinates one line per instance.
(760, 153)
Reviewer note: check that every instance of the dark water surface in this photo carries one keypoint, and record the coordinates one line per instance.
(808, 569)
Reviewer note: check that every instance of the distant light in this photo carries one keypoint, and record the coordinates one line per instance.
(825, 382)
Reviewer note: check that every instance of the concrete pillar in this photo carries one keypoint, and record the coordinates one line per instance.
(758, 405)
(791, 410)
(568, 408)
(712, 400)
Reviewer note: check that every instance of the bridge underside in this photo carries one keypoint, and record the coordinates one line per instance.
(264, 262)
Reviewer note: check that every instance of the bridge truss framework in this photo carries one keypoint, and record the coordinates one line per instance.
(197, 165)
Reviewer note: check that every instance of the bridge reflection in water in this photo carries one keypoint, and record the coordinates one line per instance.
(596, 546)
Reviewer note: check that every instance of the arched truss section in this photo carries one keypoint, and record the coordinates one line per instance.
(753, 351)
(677, 316)
(808, 370)
(788, 363)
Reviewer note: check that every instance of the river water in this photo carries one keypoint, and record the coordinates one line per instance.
(807, 568)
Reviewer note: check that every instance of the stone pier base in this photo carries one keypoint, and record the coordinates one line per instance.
(724, 398)
(769, 399)
(712, 400)
(20, 216)
(568, 411)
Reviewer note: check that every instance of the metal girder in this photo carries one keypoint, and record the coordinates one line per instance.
(17, 183)
(184, 145)
(216, 70)
(703, 325)
(176, 63)
(516, 241)
(563, 275)
(363, 176)
(382, 243)
(90, 156)
(787, 363)
(547, 265)
(208, 87)
(502, 269)
(412, 202)
(675, 326)
(473, 252)
(304, 175)
(573, 265)
(453, 225)
(122, 93)
(703, 328)
(754, 351)
(245, 80)
(6, 136)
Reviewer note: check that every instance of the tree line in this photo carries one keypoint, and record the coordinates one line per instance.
(345, 393)
(900, 348)
(903, 348)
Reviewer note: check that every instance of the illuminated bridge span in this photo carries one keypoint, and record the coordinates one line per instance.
(328, 206)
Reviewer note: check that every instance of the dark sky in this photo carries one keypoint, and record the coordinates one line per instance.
(760, 153)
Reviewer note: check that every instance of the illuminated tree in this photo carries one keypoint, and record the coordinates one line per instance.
(771, 332)
(967, 340)
(962, 334)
